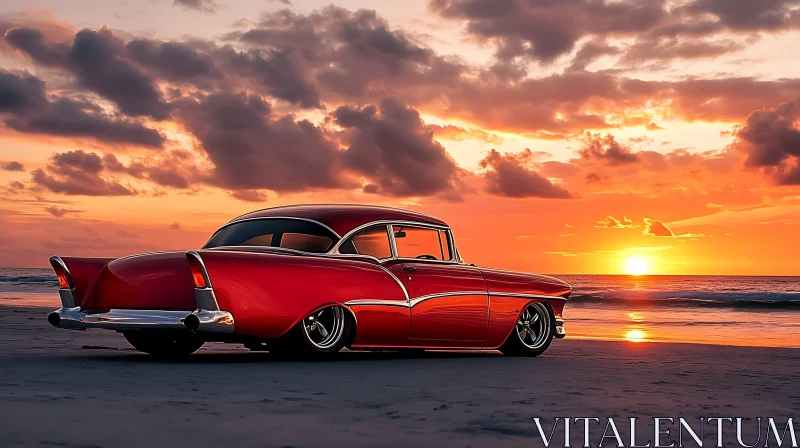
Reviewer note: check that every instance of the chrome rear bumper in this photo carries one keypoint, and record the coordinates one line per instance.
(122, 320)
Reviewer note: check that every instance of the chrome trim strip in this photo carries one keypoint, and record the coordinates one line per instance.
(420, 299)
(402, 304)
(416, 300)
(399, 283)
(236, 221)
(524, 296)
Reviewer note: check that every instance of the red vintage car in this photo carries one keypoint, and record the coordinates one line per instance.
(312, 279)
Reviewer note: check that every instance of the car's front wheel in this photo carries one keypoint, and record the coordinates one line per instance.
(164, 344)
(533, 332)
(321, 334)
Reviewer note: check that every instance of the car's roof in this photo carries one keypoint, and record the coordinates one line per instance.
(342, 218)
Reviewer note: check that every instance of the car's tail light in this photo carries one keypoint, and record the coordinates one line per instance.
(198, 270)
(64, 279)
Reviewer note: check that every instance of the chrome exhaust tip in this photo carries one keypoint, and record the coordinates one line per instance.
(192, 322)
(54, 318)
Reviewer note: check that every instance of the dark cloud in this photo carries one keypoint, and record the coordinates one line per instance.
(60, 212)
(97, 59)
(281, 72)
(250, 195)
(208, 6)
(546, 29)
(610, 222)
(391, 146)
(78, 173)
(251, 149)
(11, 166)
(746, 15)
(543, 30)
(24, 107)
(174, 61)
(606, 149)
(175, 226)
(508, 175)
(656, 228)
(770, 140)
(347, 55)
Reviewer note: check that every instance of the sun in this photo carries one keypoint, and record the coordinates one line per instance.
(636, 266)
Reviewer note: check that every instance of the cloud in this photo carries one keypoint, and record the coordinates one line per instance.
(606, 149)
(770, 140)
(208, 6)
(509, 175)
(656, 228)
(391, 146)
(60, 212)
(250, 195)
(613, 223)
(458, 134)
(253, 149)
(97, 59)
(78, 173)
(25, 107)
(11, 166)
(546, 30)
(175, 226)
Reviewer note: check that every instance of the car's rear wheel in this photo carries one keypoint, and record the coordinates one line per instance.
(165, 344)
(533, 332)
(321, 334)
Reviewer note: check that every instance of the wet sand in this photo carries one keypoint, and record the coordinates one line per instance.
(89, 388)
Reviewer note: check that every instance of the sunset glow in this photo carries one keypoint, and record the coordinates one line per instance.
(602, 149)
(636, 266)
(635, 336)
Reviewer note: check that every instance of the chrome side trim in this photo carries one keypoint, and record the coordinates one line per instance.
(402, 304)
(236, 221)
(399, 283)
(524, 296)
(419, 299)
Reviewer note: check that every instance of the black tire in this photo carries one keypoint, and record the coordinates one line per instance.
(514, 345)
(165, 344)
(305, 343)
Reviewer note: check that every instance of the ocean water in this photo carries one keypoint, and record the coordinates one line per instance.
(751, 311)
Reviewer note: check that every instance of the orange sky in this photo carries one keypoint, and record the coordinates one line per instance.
(556, 137)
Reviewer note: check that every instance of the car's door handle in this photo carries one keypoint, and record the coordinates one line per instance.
(409, 269)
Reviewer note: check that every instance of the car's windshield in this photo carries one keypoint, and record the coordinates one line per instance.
(287, 233)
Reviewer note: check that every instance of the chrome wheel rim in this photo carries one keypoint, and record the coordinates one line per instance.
(325, 327)
(533, 326)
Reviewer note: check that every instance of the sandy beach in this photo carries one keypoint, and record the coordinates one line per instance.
(91, 389)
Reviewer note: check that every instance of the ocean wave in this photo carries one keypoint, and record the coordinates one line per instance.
(28, 279)
(755, 300)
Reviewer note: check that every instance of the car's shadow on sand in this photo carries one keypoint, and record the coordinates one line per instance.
(101, 355)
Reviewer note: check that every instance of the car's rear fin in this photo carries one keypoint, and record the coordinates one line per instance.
(65, 283)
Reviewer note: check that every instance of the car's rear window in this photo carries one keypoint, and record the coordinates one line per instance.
(294, 234)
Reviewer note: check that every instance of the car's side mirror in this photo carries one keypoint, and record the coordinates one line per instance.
(400, 234)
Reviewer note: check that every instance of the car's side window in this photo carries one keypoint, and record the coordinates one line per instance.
(422, 243)
(370, 241)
